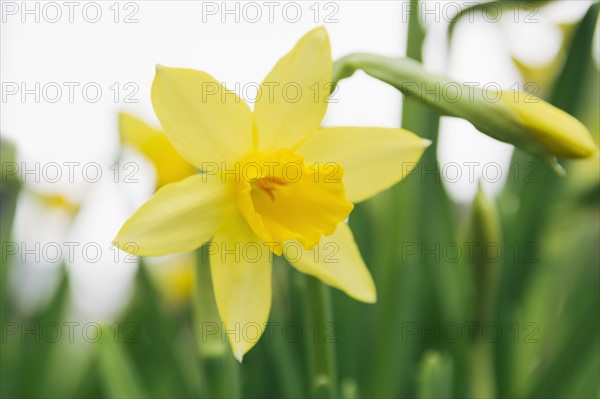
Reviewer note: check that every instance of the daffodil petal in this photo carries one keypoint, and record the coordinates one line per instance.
(241, 274)
(335, 261)
(178, 218)
(137, 133)
(373, 159)
(154, 144)
(204, 121)
(293, 97)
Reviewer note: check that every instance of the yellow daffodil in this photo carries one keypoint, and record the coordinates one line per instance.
(272, 181)
(154, 145)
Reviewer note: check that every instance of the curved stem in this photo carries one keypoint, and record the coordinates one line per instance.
(321, 349)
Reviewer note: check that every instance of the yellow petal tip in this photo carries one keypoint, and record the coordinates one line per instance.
(115, 241)
(320, 31)
(370, 298)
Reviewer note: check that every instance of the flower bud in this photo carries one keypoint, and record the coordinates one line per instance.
(517, 118)
(554, 130)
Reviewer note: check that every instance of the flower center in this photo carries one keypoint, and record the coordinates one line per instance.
(268, 184)
(282, 198)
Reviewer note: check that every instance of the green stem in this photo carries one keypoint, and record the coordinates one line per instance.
(482, 376)
(321, 352)
(402, 216)
(406, 75)
(282, 355)
(220, 367)
(223, 377)
(9, 193)
(485, 229)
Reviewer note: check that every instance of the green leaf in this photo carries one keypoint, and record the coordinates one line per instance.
(118, 373)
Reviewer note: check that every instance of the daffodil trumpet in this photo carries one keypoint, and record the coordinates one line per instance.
(513, 117)
(271, 179)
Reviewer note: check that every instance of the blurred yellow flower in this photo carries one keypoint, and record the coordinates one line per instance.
(56, 201)
(174, 278)
(538, 78)
(154, 145)
(273, 181)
